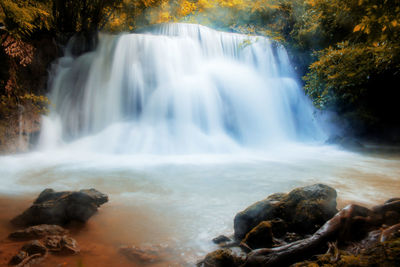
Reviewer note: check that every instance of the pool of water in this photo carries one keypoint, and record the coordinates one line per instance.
(183, 201)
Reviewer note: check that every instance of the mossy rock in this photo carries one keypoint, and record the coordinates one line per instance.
(304, 210)
(221, 258)
(260, 236)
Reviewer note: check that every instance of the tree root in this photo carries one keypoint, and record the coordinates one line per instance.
(350, 224)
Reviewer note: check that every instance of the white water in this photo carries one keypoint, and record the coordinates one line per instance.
(181, 88)
(189, 126)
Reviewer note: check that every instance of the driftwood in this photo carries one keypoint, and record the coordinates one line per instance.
(350, 224)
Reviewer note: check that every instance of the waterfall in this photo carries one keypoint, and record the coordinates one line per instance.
(178, 88)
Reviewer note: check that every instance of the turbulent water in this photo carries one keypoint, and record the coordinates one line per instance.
(184, 126)
(179, 88)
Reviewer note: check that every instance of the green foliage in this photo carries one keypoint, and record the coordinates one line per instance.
(343, 73)
(359, 59)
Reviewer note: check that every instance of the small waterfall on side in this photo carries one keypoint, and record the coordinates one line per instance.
(178, 88)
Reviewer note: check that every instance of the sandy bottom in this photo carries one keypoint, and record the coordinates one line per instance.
(99, 239)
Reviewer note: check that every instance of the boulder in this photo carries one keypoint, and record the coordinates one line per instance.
(303, 210)
(38, 231)
(61, 207)
(260, 236)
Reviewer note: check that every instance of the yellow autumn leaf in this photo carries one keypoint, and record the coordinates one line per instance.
(204, 4)
(357, 28)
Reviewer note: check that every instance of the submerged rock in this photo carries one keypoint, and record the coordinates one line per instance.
(34, 247)
(62, 207)
(32, 251)
(17, 259)
(221, 239)
(303, 210)
(37, 250)
(38, 231)
(62, 244)
(145, 254)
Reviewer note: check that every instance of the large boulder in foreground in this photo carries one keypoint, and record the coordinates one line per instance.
(61, 207)
(304, 210)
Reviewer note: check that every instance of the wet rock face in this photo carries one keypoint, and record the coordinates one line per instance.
(61, 207)
(303, 210)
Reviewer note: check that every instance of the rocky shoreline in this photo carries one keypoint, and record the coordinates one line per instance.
(299, 228)
(44, 220)
(304, 228)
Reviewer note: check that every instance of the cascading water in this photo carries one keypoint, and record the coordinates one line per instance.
(178, 88)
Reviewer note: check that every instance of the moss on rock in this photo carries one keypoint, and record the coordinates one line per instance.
(221, 258)
(304, 210)
(260, 236)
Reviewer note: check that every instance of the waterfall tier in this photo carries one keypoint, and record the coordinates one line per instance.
(178, 88)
